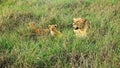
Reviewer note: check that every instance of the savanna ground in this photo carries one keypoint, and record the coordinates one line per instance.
(101, 49)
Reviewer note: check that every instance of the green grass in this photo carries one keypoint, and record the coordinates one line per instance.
(101, 49)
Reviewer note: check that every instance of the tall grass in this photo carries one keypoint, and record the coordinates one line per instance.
(101, 49)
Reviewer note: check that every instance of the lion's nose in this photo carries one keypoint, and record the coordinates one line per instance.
(76, 28)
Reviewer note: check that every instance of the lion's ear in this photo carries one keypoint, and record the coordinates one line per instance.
(84, 20)
(74, 19)
(49, 26)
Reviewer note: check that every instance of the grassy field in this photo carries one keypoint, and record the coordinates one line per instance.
(101, 49)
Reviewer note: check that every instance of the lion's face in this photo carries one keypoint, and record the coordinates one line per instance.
(79, 23)
(52, 27)
(54, 31)
(31, 25)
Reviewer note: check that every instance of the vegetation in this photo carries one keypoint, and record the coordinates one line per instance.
(101, 49)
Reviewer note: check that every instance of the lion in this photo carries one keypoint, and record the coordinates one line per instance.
(53, 31)
(80, 26)
(42, 32)
(31, 25)
(36, 30)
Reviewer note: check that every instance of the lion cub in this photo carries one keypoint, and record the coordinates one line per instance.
(31, 25)
(53, 31)
(37, 31)
(80, 26)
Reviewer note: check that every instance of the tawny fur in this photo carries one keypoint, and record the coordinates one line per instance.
(36, 30)
(80, 26)
(31, 25)
(54, 31)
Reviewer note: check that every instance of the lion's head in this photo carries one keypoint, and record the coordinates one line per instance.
(79, 23)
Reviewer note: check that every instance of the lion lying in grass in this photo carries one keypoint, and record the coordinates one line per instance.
(41, 32)
(37, 31)
(54, 31)
(80, 26)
